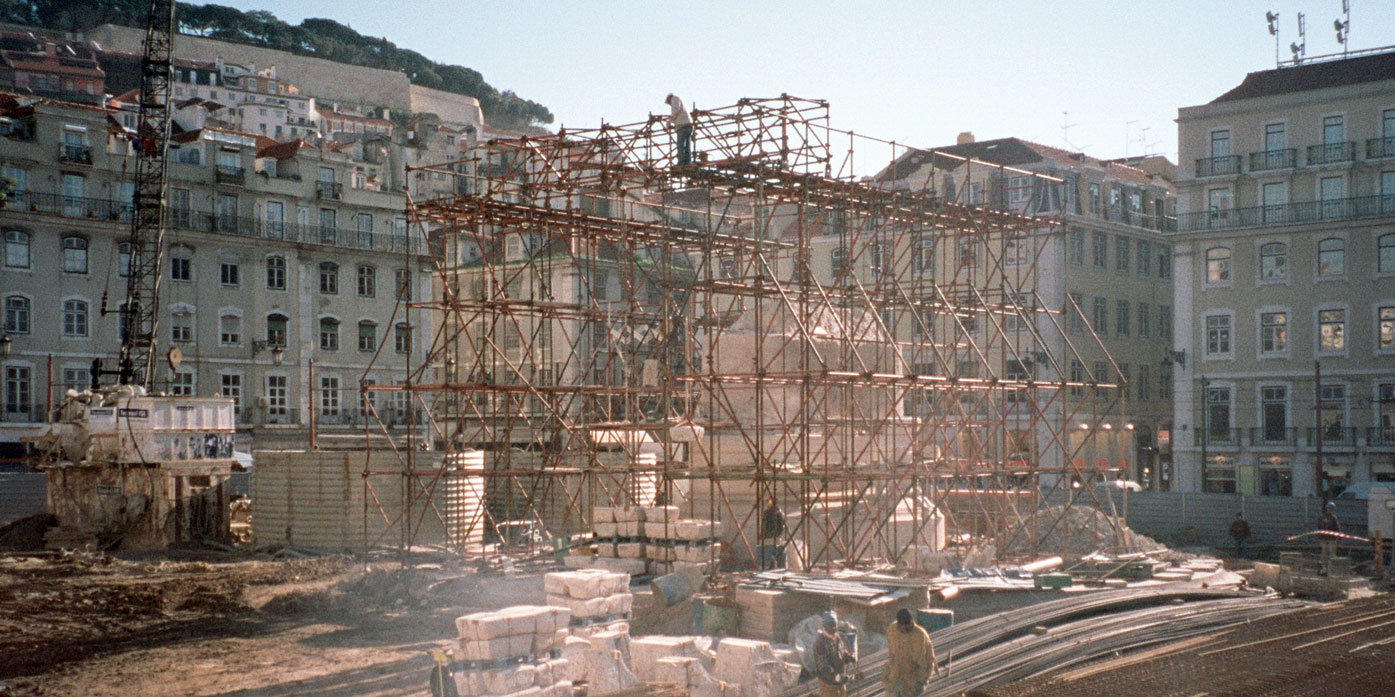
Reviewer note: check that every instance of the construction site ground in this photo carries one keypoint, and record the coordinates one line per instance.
(206, 624)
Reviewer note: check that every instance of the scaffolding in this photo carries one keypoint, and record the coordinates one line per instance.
(767, 325)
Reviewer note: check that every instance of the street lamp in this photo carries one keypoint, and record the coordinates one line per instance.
(7, 345)
(278, 353)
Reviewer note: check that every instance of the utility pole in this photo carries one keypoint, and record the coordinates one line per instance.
(1205, 434)
(1317, 400)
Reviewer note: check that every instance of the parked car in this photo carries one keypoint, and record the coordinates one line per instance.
(1362, 490)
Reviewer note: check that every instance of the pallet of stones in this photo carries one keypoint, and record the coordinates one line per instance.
(513, 652)
(591, 596)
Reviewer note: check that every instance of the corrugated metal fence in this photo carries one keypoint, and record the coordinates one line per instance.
(21, 495)
(1166, 515)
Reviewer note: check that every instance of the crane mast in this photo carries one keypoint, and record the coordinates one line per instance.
(141, 315)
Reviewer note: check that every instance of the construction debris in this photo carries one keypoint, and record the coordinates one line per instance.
(1075, 530)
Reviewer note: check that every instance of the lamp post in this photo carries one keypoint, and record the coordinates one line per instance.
(7, 345)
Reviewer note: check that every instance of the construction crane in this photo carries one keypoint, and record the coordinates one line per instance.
(140, 315)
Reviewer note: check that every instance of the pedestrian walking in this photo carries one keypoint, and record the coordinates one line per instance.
(910, 657)
(833, 661)
(1240, 532)
(1327, 526)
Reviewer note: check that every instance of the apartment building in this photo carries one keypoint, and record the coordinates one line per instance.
(1285, 263)
(48, 67)
(1106, 271)
(277, 255)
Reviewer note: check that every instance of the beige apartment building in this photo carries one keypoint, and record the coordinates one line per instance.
(1285, 263)
(277, 255)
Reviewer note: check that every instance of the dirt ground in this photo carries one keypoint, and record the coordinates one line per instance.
(223, 624)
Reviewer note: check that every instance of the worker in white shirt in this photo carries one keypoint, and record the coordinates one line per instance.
(682, 123)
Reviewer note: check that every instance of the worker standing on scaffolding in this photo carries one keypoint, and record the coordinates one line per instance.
(682, 123)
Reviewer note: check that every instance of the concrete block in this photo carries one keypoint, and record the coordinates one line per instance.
(606, 528)
(660, 514)
(646, 652)
(629, 513)
(602, 514)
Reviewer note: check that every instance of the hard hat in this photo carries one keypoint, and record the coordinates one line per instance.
(830, 619)
(1330, 505)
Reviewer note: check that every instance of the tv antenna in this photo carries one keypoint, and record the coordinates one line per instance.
(1273, 19)
(1300, 49)
(1066, 125)
(1343, 27)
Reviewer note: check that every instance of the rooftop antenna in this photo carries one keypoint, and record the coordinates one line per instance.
(1300, 49)
(1343, 27)
(1273, 19)
(1066, 125)
(1127, 139)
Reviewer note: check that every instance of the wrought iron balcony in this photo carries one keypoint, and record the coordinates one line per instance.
(1333, 437)
(1273, 159)
(75, 154)
(330, 190)
(228, 174)
(1267, 436)
(1331, 153)
(1218, 166)
(1380, 437)
(1227, 437)
(1289, 213)
(1380, 147)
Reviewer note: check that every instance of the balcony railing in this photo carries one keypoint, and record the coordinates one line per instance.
(1217, 436)
(1273, 159)
(1289, 213)
(197, 221)
(228, 174)
(1381, 437)
(75, 154)
(1273, 437)
(330, 190)
(1121, 214)
(1329, 153)
(1218, 166)
(1333, 437)
(1380, 147)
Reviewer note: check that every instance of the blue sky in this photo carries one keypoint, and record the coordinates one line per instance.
(914, 72)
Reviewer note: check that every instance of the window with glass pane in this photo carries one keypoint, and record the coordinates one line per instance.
(329, 278)
(229, 273)
(1332, 257)
(74, 254)
(276, 273)
(1217, 265)
(401, 282)
(1273, 261)
(227, 213)
(1334, 409)
(1386, 330)
(231, 388)
(1145, 320)
(74, 318)
(276, 396)
(1100, 319)
(1122, 253)
(77, 379)
(327, 225)
(275, 219)
(182, 384)
(1220, 143)
(181, 327)
(363, 223)
(1332, 330)
(1273, 332)
(1385, 254)
(1218, 413)
(1331, 190)
(1333, 130)
(1164, 263)
(1122, 322)
(1217, 334)
(1165, 321)
(19, 391)
(1100, 250)
(1077, 375)
(276, 327)
(1075, 322)
(329, 334)
(1145, 258)
(17, 249)
(367, 281)
(1076, 247)
(1143, 385)
(1274, 407)
(402, 338)
(329, 395)
(1273, 137)
(230, 329)
(367, 336)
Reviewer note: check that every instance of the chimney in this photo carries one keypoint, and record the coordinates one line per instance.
(964, 138)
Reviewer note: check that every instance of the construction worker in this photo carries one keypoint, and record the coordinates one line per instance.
(772, 530)
(1240, 532)
(1327, 525)
(832, 659)
(442, 684)
(910, 657)
(682, 123)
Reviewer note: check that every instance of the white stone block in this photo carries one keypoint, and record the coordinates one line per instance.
(628, 513)
(607, 529)
(482, 626)
(645, 653)
(660, 514)
(602, 514)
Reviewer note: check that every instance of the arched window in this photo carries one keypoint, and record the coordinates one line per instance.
(329, 334)
(74, 318)
(17, 314)
(17, 249)
(367, 281)
(1385, 253)
(1218, 265)
(1332, 257)
(276, 273)
(74, 254)
(276, 326)
(329, 278)
(1273, 260)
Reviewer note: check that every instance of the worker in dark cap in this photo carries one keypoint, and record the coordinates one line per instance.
(832, 659)
(1328, 530)
(910, 657)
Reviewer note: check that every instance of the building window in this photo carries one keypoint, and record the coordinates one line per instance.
(363, 224)
(922, 255)
(1100, 250)
(229, 274)
(78, 379)
(968, 253)
(1385, 254)
(181, 327)
(1145, 320)
(1165, 322)
(1386, 331)
(1332, 257)
(74, 318)
(16, 314)
(1143, 386)
(367, 282)
(1164, 263)
(1165, 381)
(1273, 401)
(1273, 332)
(367, 336)
(1145, 258)
(229, 329)
(1122, 321)
(402, 281)
(1217, 335)
(1332, 330)
(327, 226)
(123, 259)
(276, 328)
(1077, 376)
(1333, 400)
(1220, 143)
(17, 249)
(1075, 322)
(231, 388)
(182, 384)
(276, 396)
(181, 264)
(1218, 265)
(74, 254)
(276, 273)
(1273, 261)
(329, 334)
(1100, 319)
(329, 395)
(1075, 247)
(1122, 254)
(402, 338)
(329, 278)
(19, 392)
(1218, 413)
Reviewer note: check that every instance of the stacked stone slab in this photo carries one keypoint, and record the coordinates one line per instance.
(656, 537)
(592, 596)
(737, 668)
(514, 652)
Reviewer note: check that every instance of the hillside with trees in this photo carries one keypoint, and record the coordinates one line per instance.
(322, 38)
